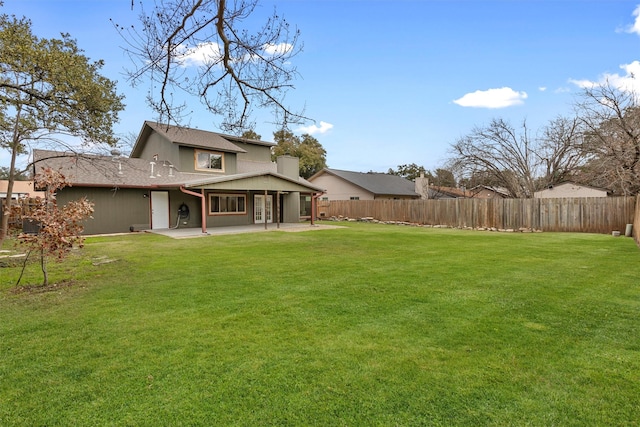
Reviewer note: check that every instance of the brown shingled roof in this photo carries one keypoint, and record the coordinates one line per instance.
(108, 171)
(190, 137)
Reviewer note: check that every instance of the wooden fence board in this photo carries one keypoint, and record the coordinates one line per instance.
(589, 214)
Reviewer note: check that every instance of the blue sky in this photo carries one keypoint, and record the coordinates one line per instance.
(397, 82)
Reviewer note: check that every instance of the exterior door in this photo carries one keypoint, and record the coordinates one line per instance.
(262, 207)
(159, 209)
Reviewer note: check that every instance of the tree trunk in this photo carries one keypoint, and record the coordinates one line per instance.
(43, 264)
(6, 205)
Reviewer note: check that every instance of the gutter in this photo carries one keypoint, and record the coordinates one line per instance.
(202, 206)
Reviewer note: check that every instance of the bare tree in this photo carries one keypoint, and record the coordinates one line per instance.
(611, 116)
(561, 151)
(501, 153)
(497, 155)
(200, 48)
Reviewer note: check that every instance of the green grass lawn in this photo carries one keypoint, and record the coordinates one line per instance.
(366, 325)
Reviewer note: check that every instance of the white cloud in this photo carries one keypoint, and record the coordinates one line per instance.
(635, 28)
(277, 49)
(492, 98)
(628, 82)
(209, 53)
(542, 88)
(313, 129)
(204, 53)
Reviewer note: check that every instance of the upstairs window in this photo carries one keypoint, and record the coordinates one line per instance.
(209, 161)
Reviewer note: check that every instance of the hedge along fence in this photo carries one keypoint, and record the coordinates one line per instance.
(588, 215)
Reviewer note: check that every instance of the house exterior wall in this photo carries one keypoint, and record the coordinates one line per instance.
(254, 152)
(227, 220)
(158, 144)
(115, 211)
(339, 189)
(290, 207)
(487, 193)
(20, 189)
(570, 190)
(187, 162)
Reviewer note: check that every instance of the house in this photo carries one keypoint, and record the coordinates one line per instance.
(435, 192)
(347, 185)
(488, 192)
(181, 177)
(20, 189)
(570, 189)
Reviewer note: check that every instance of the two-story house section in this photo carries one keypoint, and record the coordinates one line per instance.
(183, 177)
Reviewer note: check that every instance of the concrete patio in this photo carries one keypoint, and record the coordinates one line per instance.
(186, 233)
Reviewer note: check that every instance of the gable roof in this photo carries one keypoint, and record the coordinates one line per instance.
(125, 172)
(452, 192)
(500, 191)
(373, 182)
(107, 171)
(575, 184)
(196, 138)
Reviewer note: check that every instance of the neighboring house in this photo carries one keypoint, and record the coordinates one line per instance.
(427, 191)
(20, 189)
(439, 192)
(488, 192)
(181, 177)
(346, 185)
(570, 189)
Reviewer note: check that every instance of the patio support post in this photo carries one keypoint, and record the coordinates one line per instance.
(314, 204)
(202, 205)
(278, 209)
(265, 209)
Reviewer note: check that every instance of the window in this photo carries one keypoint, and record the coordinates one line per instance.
(210, 161)
(227, 204)
(305, 205)
(354, 198)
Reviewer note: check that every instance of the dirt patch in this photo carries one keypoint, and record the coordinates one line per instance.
(42, 289)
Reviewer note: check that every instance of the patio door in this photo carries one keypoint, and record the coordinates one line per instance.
(159, 209)
(262, 208)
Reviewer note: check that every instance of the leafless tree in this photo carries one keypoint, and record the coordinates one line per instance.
(200, 48)
(500, 152)
(611, 116)
(561, 150)
(516, 161)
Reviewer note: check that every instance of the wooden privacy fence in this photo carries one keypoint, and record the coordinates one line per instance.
(589, 214)
(636, 222)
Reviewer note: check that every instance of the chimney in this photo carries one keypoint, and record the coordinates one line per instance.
(288, 166)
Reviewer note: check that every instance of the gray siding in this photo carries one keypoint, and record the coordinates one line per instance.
(158, 144)
(114, 210)
(187, 162)
(290, 207)
(254, 153)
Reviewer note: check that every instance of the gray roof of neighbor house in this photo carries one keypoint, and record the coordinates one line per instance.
(194, 138)
(376, 183)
